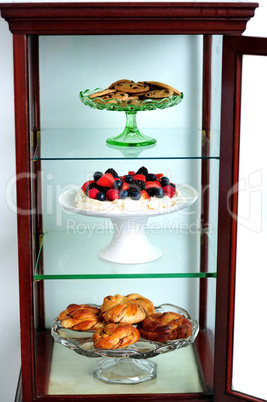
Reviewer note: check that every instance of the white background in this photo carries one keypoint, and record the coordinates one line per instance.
(9, 324)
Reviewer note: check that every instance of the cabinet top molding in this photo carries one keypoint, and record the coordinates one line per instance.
(128, 18)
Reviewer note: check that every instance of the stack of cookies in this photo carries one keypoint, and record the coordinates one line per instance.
(134, 92)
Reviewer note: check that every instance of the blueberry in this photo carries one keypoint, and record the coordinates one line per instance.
(164, 182)
(159, 192)
(136, 195)
(123, 194)
(97, 175)
(117, 184)
(173, 185)
(151, 177)
(101, 196)
(128, 179)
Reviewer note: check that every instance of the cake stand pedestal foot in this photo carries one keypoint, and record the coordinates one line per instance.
(125, 371)
(130, 244)
(131, 136)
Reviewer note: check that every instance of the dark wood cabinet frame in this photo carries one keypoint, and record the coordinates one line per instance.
(28, 21)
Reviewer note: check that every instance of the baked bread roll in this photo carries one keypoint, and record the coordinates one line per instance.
(162, 327)
(131, 309)
(115, 336)
(81, 317)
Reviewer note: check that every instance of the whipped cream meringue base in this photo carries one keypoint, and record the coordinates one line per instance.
(126, 205)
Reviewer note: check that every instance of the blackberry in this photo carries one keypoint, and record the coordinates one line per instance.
(102, 189)
(151, 191)
(140, 184)
(142, 170)
(112, 171)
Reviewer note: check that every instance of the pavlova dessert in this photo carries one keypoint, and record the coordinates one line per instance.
(132, 192)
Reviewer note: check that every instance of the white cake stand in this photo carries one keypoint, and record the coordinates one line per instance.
(129, 227)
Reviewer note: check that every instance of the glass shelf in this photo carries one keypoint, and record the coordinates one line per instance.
(57, 144)
(74, 376)
(65, 255)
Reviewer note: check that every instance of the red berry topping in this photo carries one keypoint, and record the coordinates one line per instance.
(169, 191)
(150, 184)
(159, 175)
(144, 194)
(106, 180)
(112, 194)
(139, 177)
(86, 184)
(92, 193)
(125, 186)
(131, 172)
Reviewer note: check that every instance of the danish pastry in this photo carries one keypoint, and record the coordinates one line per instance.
(115, 336)
(162, 327)
(131, 309)
(81, 317)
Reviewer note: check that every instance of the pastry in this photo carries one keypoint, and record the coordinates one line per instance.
(163, 327)
(128, 309)
(115, 336)
(81, 317)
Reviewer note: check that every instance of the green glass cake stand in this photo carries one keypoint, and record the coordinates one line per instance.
(131, 135)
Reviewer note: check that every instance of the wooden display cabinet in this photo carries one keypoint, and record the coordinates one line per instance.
(200, 268)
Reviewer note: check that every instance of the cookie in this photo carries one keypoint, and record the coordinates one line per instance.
(121, 96)
(101, 93)
(118, 82)
(159, 93)
(157, 84)
(132, 87)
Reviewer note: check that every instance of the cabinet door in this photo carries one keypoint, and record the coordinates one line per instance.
(240, 323)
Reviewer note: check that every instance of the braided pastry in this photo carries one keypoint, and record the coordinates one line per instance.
(162, 327)
(131, 309)
(115, 336)
(81, 317)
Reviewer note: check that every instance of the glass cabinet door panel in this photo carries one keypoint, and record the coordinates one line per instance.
(250, 294)
(242, 222)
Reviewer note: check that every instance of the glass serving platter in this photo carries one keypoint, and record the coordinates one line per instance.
(128, 365)
(131, 135)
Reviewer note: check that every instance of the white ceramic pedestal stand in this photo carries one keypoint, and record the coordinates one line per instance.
(130, 244)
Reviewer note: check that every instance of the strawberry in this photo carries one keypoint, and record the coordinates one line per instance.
(92, 193)
(150, 184)
(131, 172)
(112, 194)
(169, 191)
(106, 180)
(144, 194)
(139, 177)
(125, 186)
(86, 184)
(159, 175)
